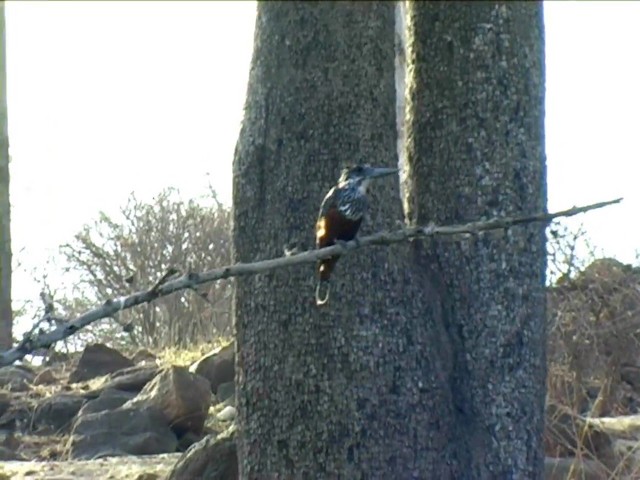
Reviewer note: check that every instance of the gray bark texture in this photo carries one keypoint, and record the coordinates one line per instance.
(355, 389)
(475, 149)
(6, 313)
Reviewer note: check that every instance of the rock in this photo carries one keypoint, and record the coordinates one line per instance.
(561, 425)
(148, 476)
(624, 432)
(183, 397)
(623, 426)
(5, 403)
(124, 431)
(628, 455)
(16, 378)
(7, 455)
(213, 458)
(98, 360)
(8, 440)
(144, 356)
(225, 391)
(188, 439)
(109, 399)
(19, 415)
(45, 377)
(57, 411)
(561, 468)
(631, 375)
(217, 367)
(227, 413)
(132, 379)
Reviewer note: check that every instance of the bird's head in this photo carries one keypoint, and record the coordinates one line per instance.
(359, 176)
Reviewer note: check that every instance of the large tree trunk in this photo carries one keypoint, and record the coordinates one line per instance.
(6, 313)
(476, 150)
(355, 389)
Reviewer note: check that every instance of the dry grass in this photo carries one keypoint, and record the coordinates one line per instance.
(178, 356)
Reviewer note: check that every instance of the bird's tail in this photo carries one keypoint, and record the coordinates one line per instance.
(322, 297)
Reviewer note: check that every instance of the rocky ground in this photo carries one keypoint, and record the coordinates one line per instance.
(148, 467)
(104, 415)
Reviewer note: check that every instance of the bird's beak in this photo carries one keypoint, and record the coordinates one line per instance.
(376, 172)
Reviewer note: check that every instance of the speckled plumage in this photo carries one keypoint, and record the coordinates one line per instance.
(341, 214)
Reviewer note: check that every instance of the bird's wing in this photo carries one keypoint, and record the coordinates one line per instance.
(330, 202)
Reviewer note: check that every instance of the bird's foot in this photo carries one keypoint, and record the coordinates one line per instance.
(322, 293)
(291, 248)
(345, 244)
(342, 243)
(430, 228)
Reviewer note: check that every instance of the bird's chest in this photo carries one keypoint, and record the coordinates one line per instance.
(336, 226)
(342, 215)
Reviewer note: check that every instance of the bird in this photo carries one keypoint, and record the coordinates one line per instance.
(341, 214)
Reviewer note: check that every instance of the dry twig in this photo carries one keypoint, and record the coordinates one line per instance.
(191, 280)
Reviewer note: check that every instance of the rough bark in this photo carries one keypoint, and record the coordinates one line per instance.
(6, 313)
(475, 150)
(354, 390)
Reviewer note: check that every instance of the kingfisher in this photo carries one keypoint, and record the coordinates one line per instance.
(341, 214)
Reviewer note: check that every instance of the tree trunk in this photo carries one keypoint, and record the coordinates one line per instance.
(6, 313)
(475, 128)
(354, 389)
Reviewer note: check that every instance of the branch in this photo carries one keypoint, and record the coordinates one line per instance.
(191, 280)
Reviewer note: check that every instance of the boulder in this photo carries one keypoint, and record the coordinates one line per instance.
(19, 414)
(132, 379)
(148, 476)
(45, 377)
(8, 455)
(188, 439)
(57, 412)
(227, 414)
(124, 431)
(225, 390)
(144, 356)
(213, 458)
(628, 454)
(561, 440)
(631, 375)
(571, 467)
(623, 426)
(183, 397)
(97, 360)
(217, 367)
(5, 402)
(9, 440)
(109, 399)
(16, 378)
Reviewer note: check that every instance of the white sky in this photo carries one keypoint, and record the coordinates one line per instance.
(106, 98)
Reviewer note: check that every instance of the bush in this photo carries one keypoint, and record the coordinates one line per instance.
(593, 345)
(118, 256)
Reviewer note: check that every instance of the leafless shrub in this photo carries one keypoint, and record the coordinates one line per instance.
(116, 256)
(593, 343)
(569, 251)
